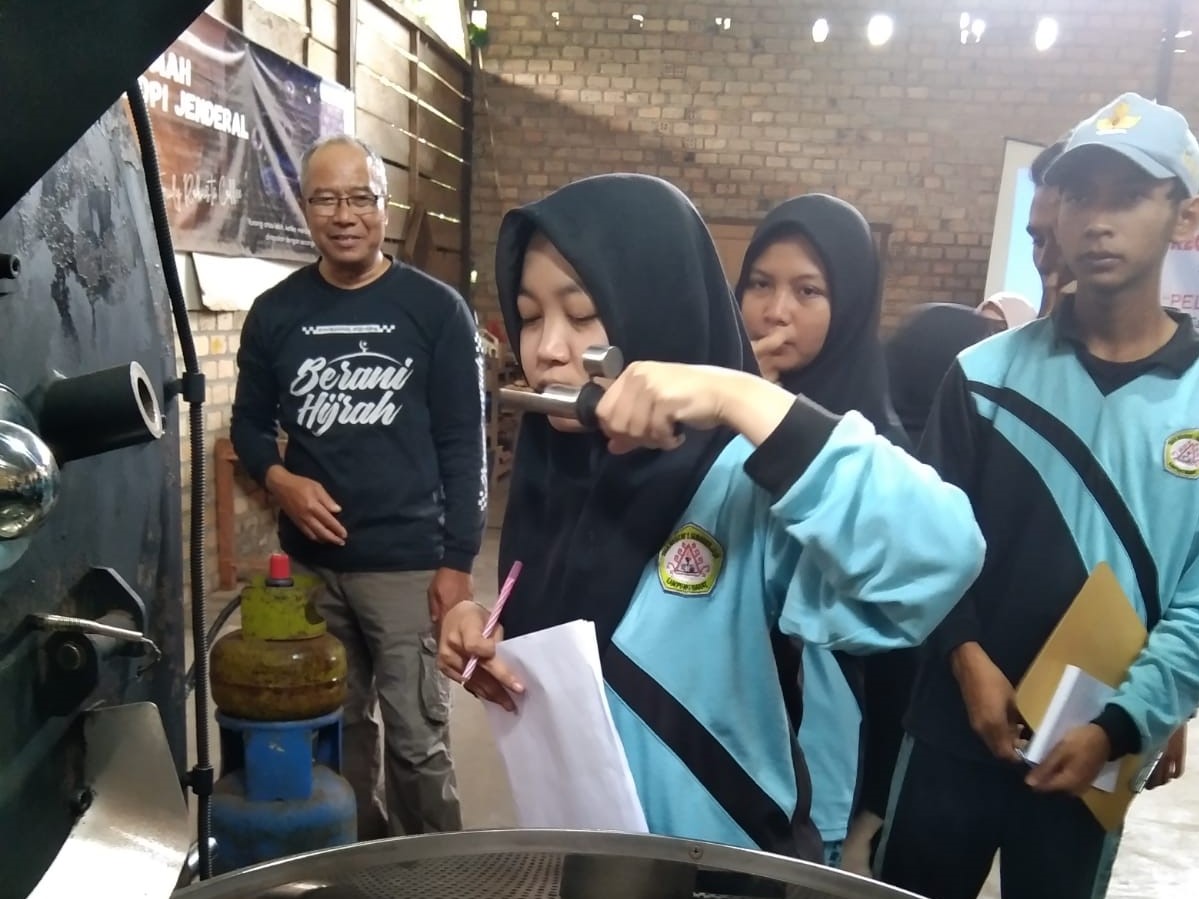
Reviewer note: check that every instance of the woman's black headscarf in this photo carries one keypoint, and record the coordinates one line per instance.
(920, 353)
(583, 522)
(849, 371)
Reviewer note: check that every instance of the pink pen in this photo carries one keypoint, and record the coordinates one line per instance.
(494, 618)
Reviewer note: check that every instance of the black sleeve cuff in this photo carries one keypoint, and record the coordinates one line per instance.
(958, 628)
(259, 467)
(794, 445)
(1121, 731)
(458, 561)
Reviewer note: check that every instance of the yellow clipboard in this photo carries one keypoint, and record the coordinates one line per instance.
(1101, 634)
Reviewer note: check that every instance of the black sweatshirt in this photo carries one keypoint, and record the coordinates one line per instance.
(380, 392)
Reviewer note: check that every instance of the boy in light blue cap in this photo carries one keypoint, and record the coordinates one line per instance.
(1077, 439)
(1155, 138)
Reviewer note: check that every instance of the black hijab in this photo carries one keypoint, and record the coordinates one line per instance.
(920, 353)
(585, 523)
(849, 371)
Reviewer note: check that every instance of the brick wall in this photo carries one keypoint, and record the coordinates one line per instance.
(911, 132)
(217, 336)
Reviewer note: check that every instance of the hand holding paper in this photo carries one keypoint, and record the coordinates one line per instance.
(1070, 753)
(1102, 634)
(1076, 764)
(563, 756)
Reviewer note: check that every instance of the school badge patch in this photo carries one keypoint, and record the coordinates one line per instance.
(1182, 454)
(690, 562)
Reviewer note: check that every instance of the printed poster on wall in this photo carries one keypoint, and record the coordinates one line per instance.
(231, 120)
(1180, 278)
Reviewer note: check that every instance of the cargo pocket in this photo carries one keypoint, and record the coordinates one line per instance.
(434, 686)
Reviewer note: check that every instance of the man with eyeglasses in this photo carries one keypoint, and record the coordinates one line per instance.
(373, 370)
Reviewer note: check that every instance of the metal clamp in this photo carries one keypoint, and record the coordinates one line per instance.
(108, 624)
(67, 624)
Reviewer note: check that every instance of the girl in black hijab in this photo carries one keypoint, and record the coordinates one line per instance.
(809, 291)
(810, 294)
(921, 351)
(711, 510)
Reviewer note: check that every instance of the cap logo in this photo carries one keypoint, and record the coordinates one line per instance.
(1117, 120)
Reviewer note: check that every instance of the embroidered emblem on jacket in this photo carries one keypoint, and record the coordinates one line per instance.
(1182, 453)
(690, 562)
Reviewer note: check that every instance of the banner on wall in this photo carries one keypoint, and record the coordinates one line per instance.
(231, 120)
(1180, 278)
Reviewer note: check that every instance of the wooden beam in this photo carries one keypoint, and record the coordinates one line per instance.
(234, 13)
(347, 42)
(415, 41)
(467, 184)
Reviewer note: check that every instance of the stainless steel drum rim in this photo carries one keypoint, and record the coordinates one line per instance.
(401, 858)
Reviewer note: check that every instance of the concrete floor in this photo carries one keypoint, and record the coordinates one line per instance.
(1157, 861)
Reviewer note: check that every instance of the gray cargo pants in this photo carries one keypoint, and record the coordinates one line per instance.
(391, 654)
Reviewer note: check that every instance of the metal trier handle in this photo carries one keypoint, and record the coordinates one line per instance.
(571, 402)
(603, 361)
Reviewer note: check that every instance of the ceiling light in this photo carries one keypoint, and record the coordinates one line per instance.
(879, 29)
(820, 31)
(1046, 34)
(972, 28)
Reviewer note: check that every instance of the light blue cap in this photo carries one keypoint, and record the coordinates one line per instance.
(1155, 137)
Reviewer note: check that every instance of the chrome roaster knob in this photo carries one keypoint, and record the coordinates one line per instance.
(29, 481)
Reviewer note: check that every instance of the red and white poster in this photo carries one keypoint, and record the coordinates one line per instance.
(1180, 278)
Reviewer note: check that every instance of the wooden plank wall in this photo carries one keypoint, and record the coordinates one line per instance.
(413, 106)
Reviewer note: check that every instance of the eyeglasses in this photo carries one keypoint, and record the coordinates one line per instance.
(359, 204)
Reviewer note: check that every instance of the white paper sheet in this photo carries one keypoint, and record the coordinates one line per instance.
(564, 760)
(1077, 700)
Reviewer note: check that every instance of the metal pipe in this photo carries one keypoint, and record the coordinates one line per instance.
(94, 413)
(577, 403)
(200, 778)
